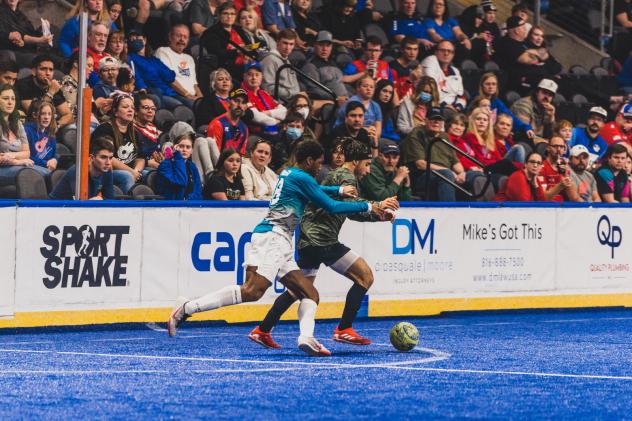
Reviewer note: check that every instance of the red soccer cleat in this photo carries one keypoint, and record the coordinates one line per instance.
(350, 336)
(263, 338)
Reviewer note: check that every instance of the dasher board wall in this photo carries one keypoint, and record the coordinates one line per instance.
(111, 262)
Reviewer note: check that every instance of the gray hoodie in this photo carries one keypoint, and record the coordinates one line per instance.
(288, 83)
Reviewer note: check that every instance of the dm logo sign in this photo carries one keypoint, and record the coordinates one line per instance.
(407, 236)
(84, 256)
(608, 234)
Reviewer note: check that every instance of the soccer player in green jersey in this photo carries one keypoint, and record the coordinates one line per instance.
(318, 243)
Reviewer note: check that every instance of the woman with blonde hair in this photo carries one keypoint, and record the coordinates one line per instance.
(413, 109)
(258, 39)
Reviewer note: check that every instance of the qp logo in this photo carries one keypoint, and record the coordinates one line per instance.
(406, 235)
(227, 256)
(608, 234)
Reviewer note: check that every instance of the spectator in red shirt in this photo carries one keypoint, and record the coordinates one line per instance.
(619, 130)
(514, 152)
(480, 136)
(555, 175)
(228, 130)
(267, 114)
(523, 185)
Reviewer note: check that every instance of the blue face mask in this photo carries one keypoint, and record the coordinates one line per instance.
(294, 133)
(425, 97)
(135, 46)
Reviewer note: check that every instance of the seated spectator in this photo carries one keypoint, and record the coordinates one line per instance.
(202, 14)
(151, 73)
(216, 103)
(488, 88)
(258, 179)
(225, 183)
(115, 15)
(41, 136)
(128, 162)
(365, 88)
(307, 22)
(224, 40)
(257, 40)
(8, 72)
(515, 152)
(584, 181)
(490, 27)
(523, 185)
(386, 179)
(70, 82)
(287, 83)
(174, 57)
(341, 19)
(408, 23)
(439, 67)
(228, 130)
(302, 105)
(444, 160)
(369, 65)
(108, 73)
(178, 177)
(619, 130)
(277, 16)
(266, 112)
(589, 136)
(536, 42)
(405, 65)
(613, 183)
(441, 27)
(69, 36)
(117, 45)
(521, 10)
(537, 110)
(555, 175)
(564, 129)
(413, 109)
(471, 23)
(336, 159)
(322, 68)
(353, 126)
(14, 145)
(292, 133)
(18, 33)
(515, 58)
(126, 81)
(98, 33)
(42, 85)
(147, 131)
(385, 97)
(100, 179)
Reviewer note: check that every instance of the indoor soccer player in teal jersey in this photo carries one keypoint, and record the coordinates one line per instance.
(318, 244)
(272, 249)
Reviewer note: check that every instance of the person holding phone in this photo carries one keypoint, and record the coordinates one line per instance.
(178, 177)
(555, 174)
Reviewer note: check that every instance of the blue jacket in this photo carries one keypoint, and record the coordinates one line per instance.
(518, 125)
(172, 179)
(43, 147)
(150, 72)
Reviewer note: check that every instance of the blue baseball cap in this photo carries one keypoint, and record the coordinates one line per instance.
(626, 110)
(252, 65)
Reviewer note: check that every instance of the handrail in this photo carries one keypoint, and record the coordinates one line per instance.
(277, 77)
(436, 139)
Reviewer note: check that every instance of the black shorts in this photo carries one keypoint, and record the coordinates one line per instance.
(311, 257)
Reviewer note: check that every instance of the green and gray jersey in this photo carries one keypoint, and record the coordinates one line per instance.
(319, 228)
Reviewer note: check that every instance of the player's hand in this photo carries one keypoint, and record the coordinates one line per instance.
(349, 191)
(389, 203)
(376, 210)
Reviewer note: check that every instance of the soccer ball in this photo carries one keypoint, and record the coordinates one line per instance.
(404, 336)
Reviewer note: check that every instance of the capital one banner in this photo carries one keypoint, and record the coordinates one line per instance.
(7, 262)
(78, 256)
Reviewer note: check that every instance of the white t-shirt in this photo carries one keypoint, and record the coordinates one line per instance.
(182, 64)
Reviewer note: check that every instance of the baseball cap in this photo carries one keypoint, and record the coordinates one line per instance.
(253, 65)
(626, 110)
(435, 114)
(488, 5)
(548, 84)
(390, 148)
(239, 93)
(578, 150)
(514, 22)
(109, 61)
(599, 111)
(324, 36)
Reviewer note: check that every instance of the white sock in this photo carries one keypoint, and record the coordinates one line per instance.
(306, 317)
(226, 296)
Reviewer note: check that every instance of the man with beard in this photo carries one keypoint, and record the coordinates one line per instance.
(619, 130)
(228, 130)
(555, 175)
(537, 109)
(386, 179)
(584, 181)
(97, 40)
(353, 127)
(612, 181)
(589, 136)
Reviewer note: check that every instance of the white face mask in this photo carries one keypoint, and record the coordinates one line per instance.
(304, 112)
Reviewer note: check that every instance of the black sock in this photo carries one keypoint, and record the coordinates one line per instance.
(352, 305)
(280, 306)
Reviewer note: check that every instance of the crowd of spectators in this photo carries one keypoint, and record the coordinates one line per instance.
(216, 110)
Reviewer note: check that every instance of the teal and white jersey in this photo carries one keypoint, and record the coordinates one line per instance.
(294, 190)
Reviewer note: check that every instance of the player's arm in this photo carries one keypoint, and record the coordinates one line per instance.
(316, 195)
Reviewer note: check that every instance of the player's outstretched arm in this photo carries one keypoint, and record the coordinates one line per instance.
(317, 196)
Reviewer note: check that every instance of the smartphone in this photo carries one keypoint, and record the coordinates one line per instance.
(168, 152)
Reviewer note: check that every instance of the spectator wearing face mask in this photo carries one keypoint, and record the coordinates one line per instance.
(413, 109)
(291, 135)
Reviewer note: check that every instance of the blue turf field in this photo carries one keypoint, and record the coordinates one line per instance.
(572, 364)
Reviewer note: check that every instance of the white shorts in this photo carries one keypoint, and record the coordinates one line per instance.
(272, 253)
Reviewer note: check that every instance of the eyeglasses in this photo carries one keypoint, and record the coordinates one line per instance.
(148, 108)
(445, 50)
(536, 163)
